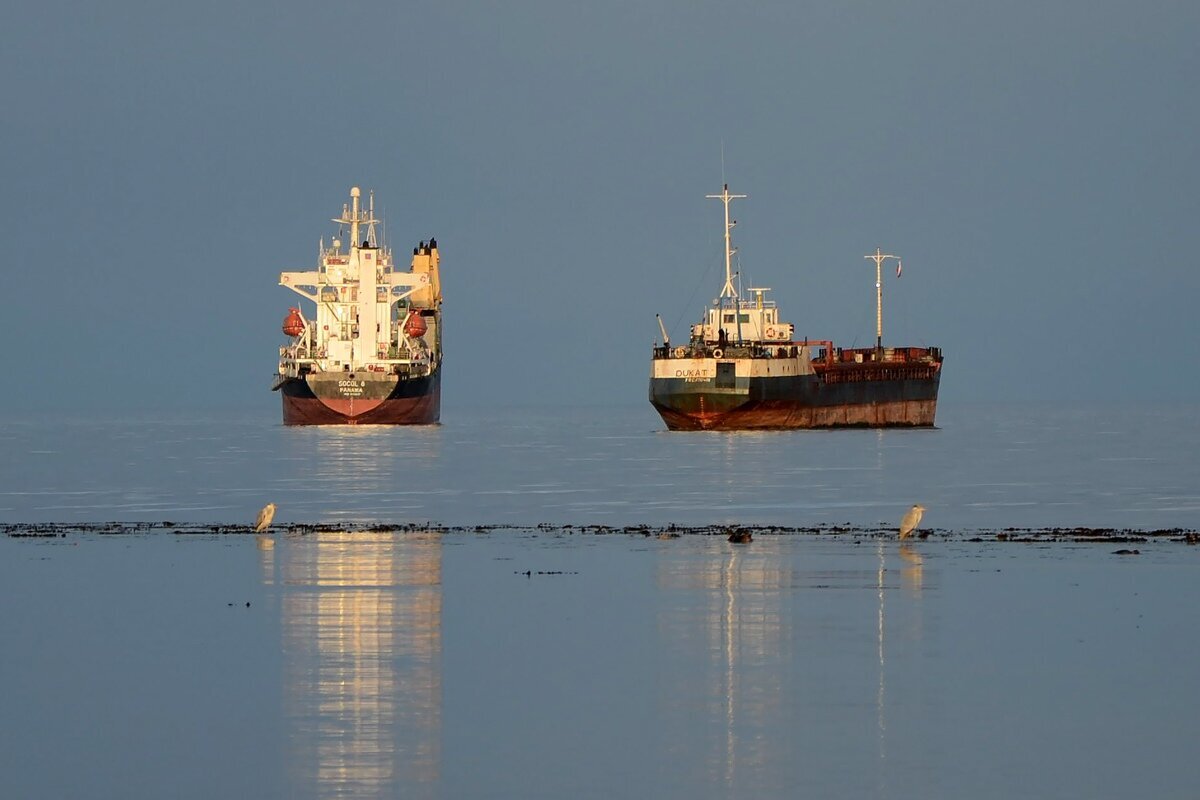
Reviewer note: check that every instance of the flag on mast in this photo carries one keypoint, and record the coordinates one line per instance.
(899, 267)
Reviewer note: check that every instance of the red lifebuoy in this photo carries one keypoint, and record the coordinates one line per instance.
(770, 333)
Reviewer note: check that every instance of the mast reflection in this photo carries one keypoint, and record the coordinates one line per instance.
(734, 604)
(912, 580)
(778, 657)
(361, 621)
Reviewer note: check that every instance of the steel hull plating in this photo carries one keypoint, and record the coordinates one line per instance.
(412, 401)
(798, 401)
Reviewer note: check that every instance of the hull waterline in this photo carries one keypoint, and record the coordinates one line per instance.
(412, 402)
(915, 407)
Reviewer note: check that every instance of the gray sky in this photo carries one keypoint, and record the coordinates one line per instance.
(1035, 164)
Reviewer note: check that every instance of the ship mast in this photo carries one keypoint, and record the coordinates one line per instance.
(728, 290)
(354, 216)
(879, 257)
(725, 197)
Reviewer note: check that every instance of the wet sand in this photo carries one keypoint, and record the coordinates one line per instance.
(1079, 534)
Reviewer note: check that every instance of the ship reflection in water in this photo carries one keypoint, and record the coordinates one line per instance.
(730, 608)
(779, 671)
(360, 462)
(361, 628)
(751, 639)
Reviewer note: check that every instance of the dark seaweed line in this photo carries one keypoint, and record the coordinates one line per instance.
(1056, 534)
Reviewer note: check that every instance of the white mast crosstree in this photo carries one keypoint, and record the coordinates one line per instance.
(879, 257)
(728, 291)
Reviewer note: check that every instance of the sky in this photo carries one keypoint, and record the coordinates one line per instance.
(1035, 165)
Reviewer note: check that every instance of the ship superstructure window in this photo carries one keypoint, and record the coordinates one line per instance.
(741, 317)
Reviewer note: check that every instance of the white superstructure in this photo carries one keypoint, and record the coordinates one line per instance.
(368, 315)
(732, 320)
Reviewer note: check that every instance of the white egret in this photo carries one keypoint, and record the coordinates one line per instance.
(911, 520)
(264, 518)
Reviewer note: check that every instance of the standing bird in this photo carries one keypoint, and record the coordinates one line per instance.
(264, 518)
(911, 520)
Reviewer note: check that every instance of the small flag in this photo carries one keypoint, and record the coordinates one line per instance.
(899, 268)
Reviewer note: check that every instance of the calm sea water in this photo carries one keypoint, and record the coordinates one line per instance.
(984, 468)
(557, 664)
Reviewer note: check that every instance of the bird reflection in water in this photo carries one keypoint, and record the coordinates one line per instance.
(912, 570)
(266, 558)
(362, 661)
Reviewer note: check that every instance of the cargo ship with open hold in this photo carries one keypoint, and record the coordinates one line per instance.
(742, 369)
(370, 350)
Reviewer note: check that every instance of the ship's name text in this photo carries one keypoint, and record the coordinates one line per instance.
(692, 375)
(351, 387)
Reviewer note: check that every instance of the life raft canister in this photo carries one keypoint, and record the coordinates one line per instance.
(414, 326)
(293, 323)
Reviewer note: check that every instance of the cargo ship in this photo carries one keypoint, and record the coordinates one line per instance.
(743, 369)
(369, 349)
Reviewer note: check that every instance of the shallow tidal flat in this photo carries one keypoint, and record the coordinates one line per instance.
(198, 660)
(1078, 534)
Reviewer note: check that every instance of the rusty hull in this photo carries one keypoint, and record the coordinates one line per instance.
(894, 390)
(778, 415)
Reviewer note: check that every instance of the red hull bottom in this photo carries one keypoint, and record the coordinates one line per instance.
(777, 415)
(420, 410)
